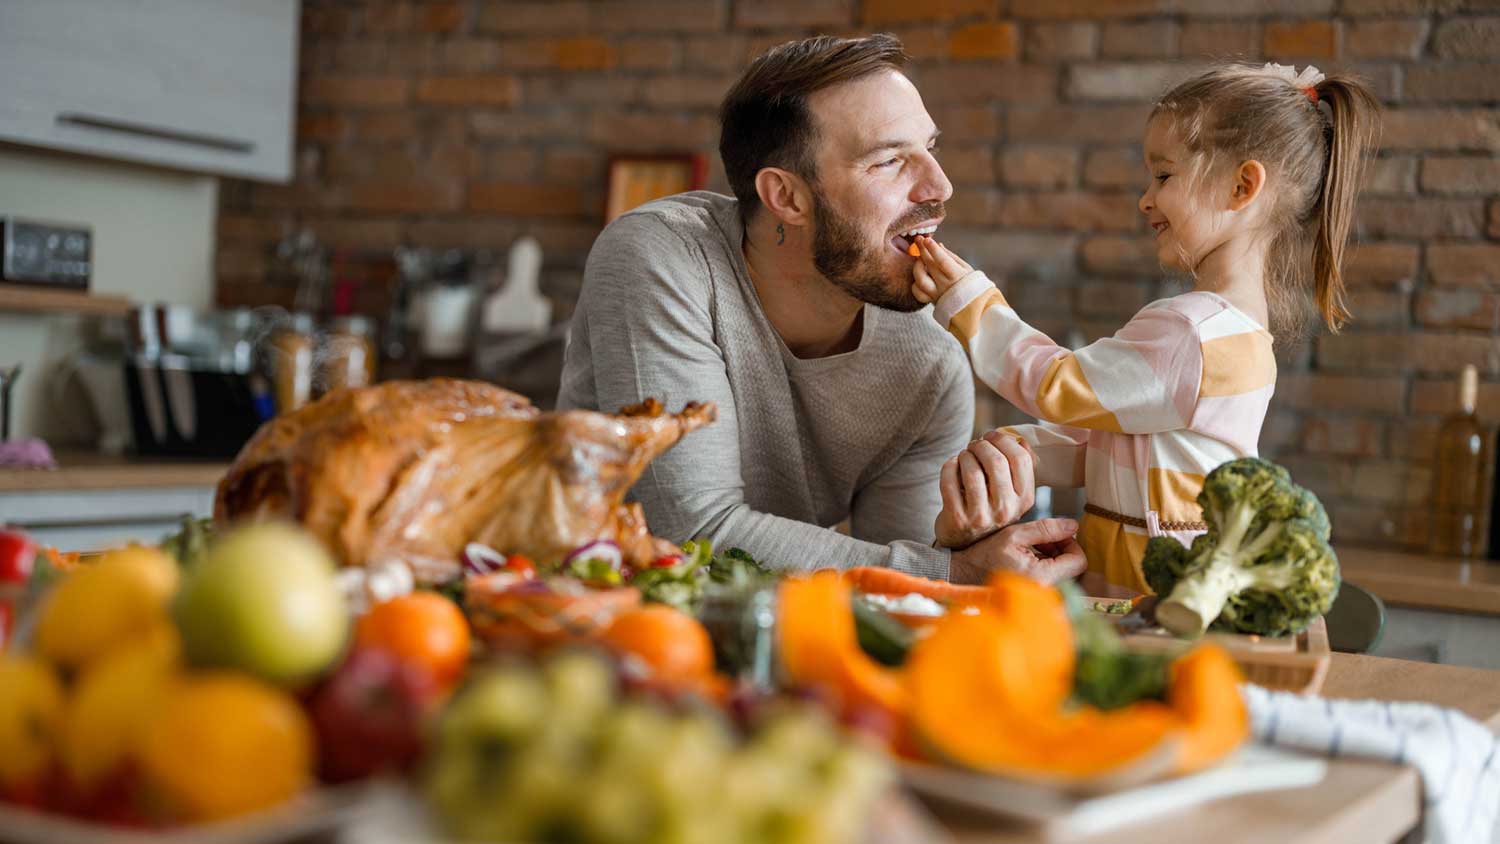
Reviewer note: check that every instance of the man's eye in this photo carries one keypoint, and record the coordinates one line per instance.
(888, 162)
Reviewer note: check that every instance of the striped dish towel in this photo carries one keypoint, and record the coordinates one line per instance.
(1454, 753)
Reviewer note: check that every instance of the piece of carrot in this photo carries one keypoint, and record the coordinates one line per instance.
(913, 250)
(875, 580)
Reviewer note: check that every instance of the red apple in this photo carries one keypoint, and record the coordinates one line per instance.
(369, 715)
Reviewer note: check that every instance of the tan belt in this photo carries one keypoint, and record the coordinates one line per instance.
(1096, 510)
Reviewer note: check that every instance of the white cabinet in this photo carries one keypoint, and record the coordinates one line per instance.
(202, 85)
(92, 520)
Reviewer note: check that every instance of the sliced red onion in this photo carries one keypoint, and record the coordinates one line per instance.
(482, 559)
(600, 549)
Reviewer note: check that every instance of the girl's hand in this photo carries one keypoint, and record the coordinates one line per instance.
(936, 269)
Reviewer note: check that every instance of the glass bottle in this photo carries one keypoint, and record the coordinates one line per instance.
(291, 354)
(348, 359)
(1458, 484)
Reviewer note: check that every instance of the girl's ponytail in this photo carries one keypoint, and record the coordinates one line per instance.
(1352, 133)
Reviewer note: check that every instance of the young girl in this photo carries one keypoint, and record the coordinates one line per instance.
(1253, 176)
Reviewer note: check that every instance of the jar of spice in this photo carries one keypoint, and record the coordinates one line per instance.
(348, 358)
(291, 354)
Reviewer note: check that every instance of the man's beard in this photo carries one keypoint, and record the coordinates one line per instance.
(842, 256)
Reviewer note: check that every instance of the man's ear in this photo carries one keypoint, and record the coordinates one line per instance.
(785, 194)
(1249, 179)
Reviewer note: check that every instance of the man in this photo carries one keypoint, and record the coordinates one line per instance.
(790, 306)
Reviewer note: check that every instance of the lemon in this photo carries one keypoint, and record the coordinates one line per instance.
(112, 702)
(223, 744)
(98, 606)
(31, 705)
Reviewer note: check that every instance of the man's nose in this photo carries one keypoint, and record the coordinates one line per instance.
(934, 185)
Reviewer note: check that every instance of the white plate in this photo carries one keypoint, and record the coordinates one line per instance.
(1255, 767)
(321, 811)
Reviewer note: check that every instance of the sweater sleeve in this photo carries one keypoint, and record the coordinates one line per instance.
(1145, 379)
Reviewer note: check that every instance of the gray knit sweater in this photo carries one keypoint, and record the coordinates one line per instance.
(668, 310)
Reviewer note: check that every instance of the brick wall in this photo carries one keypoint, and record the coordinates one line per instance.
(467, 123)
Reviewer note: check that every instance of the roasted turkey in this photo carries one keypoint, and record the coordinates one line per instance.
(414, 470)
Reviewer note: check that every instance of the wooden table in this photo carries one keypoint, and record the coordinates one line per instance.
(1417, 580)
(1363, 801)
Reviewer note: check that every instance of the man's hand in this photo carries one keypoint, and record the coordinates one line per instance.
(1046, 550)
(984, 488)
(936, 269)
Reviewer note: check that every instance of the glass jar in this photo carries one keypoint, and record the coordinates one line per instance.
(291, 353)
(348, 358)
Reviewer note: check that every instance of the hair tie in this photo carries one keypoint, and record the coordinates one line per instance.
(1312, 93)
(1306, 81)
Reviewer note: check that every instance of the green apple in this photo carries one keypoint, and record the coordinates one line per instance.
(264, 599)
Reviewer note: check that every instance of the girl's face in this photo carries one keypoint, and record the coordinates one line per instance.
(1187, 226)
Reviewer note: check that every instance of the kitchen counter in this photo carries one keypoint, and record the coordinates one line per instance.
(1359, 800)
(88, 471)
(1418, 580)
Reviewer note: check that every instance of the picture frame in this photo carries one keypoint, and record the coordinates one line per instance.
(633, 180)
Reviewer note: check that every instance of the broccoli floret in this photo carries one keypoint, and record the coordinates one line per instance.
(1263, 567)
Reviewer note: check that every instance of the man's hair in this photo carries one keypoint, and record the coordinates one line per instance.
(765, 121)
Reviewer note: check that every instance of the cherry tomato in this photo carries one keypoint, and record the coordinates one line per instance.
(521, 565)
(665, 562)
(17, 555)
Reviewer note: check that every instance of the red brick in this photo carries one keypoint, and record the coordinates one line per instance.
(525, 199)
(468, 55)
(1221, 40)
(1441, 129)
(356, 91)
(325, 20)
(1310, 39)
(1082, 124)
(387, 17)
(1391, 481)
(1140, 40)
(1466, 38)
(686, 91)
(1238, 8)
(1120, 256)
(1115, 167)
(1396, 176)
(650, 54)
(1070, 211)
(772, 13)
(577, 89)
(661, 15)
(1078, 9)
(1062, 40)
(1125, 81)
(962, 123)
(968, 83)
(1380, 263)
(321, 127)
(1415, 438)
(974, 206)
(1458, 308)
(1473, 83)
(725, 52)
(923, 43)
(1394, 527)
(362, 55)
(886, 12)
(1003, 254)
(442, 16)
(1040, 167)
(1326, 476)
(534, 16)
(398, 197)
(1407, 352)
(971, 164)
(1343, 436)
(989, 40)
(653, 132)
(1118, 300)
(1344, 393)
(1376, 308)
(1381, 77)
(480, 90)
(573, 166)
(1384, 39)
(256, 229)
(1440, 398)
(583, 54)
(1492, 221)
(358, 234)
(1380, 217)
(1473, 264)
(1461, 175)
(512, 163)
(552, 126)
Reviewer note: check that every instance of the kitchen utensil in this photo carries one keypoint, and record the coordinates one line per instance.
(517, 307)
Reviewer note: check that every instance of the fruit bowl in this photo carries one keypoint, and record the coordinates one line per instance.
(320, 811)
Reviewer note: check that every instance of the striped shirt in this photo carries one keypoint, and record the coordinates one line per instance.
(1137, 419)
